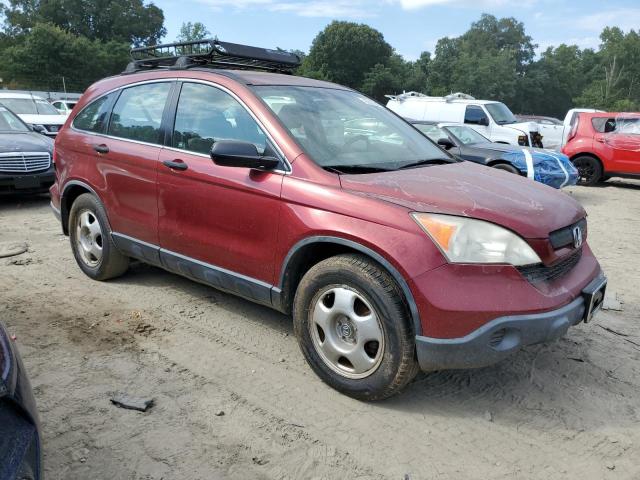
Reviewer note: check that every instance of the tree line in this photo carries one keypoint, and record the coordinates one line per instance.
(44, 41)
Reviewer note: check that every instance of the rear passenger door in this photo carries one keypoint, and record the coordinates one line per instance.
(127, 160)
(217, 224)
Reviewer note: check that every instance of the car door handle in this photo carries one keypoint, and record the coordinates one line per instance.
(101, 148)
(175, 164)
(601, 140)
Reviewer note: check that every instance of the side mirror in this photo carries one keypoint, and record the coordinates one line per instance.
(232, 153)
(39, 129)
(445, 143)
(484, 121)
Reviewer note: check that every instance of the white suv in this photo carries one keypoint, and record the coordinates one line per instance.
(64, 107)
(492, 119)
(34, 111)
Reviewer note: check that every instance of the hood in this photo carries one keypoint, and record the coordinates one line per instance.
(467, 189)
(524, 127)
(43, 119)
(25, 142)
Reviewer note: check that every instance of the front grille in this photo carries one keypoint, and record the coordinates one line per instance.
(541, 273)
(24, 162)
(564, 236)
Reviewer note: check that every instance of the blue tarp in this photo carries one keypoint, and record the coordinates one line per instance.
(544, 166)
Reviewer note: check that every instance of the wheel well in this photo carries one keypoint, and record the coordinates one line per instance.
(69, 196)
(302, 261)
(310, 254)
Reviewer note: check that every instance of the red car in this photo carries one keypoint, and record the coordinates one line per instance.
(310, 198)
(603, 145)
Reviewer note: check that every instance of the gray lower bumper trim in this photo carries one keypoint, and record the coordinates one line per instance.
(497, 339)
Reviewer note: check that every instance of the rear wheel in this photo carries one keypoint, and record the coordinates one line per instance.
(91, 242)
(353, 327)
(589, 170)
(507, 168)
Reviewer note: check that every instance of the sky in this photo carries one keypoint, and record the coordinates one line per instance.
(410, 26)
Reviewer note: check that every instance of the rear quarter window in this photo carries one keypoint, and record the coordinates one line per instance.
(93, 117)
(604, 124)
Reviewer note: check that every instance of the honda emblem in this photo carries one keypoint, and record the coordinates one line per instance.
(577, 237)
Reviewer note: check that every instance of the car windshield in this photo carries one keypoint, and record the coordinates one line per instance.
(467, 135)
(342, 129)
(10, 123)
(501, 113)
(28, 106)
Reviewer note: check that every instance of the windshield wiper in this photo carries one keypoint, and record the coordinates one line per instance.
(346, 169)
(428, 161)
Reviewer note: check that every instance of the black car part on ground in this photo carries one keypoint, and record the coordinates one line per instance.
(20, 446)
(212, 53)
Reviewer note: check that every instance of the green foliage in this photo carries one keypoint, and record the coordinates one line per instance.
(129, 21)
(344, 52)
(190, 32)
(48, 53)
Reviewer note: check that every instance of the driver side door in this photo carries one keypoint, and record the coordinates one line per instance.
(476, 117)
(217, 224)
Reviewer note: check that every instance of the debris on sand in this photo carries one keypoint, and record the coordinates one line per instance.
(131, 403)
(12, 249)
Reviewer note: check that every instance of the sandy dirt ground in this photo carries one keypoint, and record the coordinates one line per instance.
(235, 399)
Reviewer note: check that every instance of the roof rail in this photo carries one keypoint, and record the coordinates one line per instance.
(214, 53)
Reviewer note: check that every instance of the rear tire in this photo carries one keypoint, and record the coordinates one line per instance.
(354, 329)
(507, 168)
(589, 170)
(91, 242)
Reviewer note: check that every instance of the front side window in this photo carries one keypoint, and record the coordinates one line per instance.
(467, 135)
(344, 130)
(475, 115)
(93, 117)
(207, 114)
(434, 132)
(137, 115)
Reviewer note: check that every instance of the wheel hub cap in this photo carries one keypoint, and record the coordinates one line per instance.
(346, 332)
(89, 238)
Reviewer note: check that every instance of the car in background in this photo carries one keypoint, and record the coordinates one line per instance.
(544, 166)
(492, 119)
(549, 127)
(20, 440)
(570, 118)
(34, 111)
(64, 107)
(25, 156)
(603, 145)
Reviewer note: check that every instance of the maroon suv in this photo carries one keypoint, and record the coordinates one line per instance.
(311, 198)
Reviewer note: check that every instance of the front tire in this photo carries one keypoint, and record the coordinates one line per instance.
(589, 170)
(91, 242)
(507, 168)
(354, 329)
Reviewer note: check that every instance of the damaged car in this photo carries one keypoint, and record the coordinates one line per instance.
(545, 166)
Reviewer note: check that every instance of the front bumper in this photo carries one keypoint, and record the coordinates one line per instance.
(503, 336)
(38, 182)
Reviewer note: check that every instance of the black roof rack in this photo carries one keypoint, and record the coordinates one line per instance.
(212, 53)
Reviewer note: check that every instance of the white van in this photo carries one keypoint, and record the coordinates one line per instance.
(492, 119)
(34, 111)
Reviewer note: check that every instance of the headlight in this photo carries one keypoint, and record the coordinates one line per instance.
(467, 240)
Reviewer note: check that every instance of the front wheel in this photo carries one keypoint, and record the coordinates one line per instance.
(589, 170)
(507, 168)
(353, 327)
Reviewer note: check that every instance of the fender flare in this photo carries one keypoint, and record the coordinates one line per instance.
(64, 212)
(397, 276)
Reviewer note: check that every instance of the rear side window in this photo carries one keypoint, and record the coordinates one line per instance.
(93, 117)
(137, 115)
(475, 115)
(604, 124)
(206, 114)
